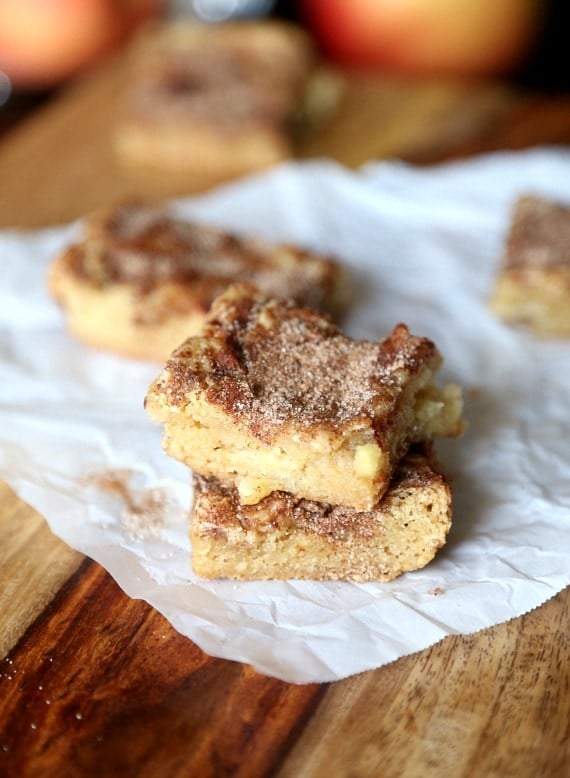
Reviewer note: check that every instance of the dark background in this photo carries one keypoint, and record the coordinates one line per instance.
(548, 68)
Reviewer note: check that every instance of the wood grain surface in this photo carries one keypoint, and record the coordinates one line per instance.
(93, 683)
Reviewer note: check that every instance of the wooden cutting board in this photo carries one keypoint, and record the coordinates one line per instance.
(93, 683)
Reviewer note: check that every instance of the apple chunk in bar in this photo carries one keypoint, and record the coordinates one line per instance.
(285, 537)
(274, 397)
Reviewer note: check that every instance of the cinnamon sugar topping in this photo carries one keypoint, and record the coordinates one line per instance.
(143, 247)
(227, 77)
(539, 236)
(273, 362)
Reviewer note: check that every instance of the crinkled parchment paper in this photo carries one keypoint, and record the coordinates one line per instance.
(423, 246)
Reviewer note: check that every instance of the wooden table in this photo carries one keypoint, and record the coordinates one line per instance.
(93, 683)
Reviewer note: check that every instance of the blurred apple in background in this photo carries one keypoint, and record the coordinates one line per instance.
(43, 42)
(426, 37)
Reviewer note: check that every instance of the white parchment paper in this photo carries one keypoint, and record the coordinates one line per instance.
(423, 247)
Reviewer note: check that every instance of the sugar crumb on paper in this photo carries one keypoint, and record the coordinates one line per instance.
(143, 512)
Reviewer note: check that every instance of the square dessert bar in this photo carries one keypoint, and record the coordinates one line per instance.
(273, 397)
(214, 101)
(533, 286)
(139, 281)
(284, 536)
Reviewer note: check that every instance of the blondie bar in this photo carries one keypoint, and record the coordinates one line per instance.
(533, 286)
(214, 101)
(139, 282)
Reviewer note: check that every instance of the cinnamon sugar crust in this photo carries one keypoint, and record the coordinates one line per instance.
(533, 285)
(227, 76)
(284, 536)
(272, 397)
(270, 364)
(160, 275)
(539, 234)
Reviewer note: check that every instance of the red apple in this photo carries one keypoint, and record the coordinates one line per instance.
(431, 37)
(43, 42)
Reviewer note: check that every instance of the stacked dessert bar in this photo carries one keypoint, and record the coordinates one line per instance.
(311, 452)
